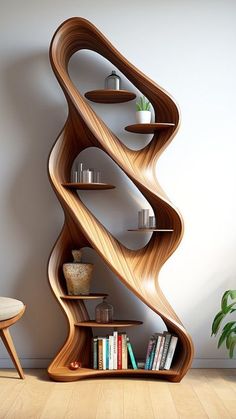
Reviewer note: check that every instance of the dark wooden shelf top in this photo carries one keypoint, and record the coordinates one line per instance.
(150, 230)
(94, 372)
(110, 96)
(114, 323)
(149, 128)
(88, 186)
(83, 297)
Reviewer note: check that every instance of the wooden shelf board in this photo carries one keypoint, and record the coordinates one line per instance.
(83, 297)
(114, 323)
(88, 186)
(149, 128)
(150, 230)
(65, 374)
(110, 96)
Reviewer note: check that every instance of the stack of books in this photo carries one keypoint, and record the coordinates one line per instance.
(160, 351)
(111, 352)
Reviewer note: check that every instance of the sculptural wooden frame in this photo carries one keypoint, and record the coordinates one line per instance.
(137, 269)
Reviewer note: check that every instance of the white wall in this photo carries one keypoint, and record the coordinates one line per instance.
(187, 47)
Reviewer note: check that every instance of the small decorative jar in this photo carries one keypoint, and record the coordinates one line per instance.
(104, 312)
(78, 275)
(113, 81)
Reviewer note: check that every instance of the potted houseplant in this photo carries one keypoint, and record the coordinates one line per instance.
(143, 111)
(228, 332)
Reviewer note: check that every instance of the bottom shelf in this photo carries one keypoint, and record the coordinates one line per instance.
(65, 374)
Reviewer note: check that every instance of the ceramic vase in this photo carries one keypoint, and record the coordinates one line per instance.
(143, 117)
(78, 275)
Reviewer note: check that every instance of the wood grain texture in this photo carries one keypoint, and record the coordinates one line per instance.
(137, 269)
(8, 342)
(110, 96)
(88, 186)
(148, 128)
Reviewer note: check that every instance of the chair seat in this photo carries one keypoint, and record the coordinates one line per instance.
(9, 307)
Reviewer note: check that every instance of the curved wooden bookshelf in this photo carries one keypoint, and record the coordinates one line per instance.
(88, 186)
(149, 128)
(110, 96)
(137, 269)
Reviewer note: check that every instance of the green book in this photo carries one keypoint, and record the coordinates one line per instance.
(131, 355)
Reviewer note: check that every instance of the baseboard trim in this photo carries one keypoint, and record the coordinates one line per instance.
(197, 363)
(26, 362)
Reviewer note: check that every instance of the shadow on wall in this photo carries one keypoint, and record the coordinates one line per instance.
(39, 111)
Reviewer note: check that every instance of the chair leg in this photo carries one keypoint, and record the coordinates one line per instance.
(7, 340)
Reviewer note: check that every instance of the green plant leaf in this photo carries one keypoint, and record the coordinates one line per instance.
(224, 300)
(217, 322)
(227, 330)
(232, 294)
(232, 346)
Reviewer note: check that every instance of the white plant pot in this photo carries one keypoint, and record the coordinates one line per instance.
(143, 117)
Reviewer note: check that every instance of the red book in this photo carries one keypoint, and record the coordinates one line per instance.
(119, 363)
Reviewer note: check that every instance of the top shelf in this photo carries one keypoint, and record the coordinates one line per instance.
(88, 186)
(110, 96)
(149, 128)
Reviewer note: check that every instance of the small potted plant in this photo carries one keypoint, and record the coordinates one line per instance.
(228, 333)
(143, 111)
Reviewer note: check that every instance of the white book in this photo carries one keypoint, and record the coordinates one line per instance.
(171, 352)
(160, 352)
(111, 352)
(158, 345)
(115, 349)
(104, 352)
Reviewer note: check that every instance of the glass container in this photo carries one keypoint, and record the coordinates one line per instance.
(104, 312)
(113, 81)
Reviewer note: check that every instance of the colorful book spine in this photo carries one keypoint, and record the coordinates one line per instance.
(104, 358)
(165, 349)
(149, 348)
(111, 352)
(124, 352)
(119, 356)
(131, 355)
(115, 349)
(158, 344)
(171, 352)
(107, 353)
(100, 354)
(160, 352)
(95, 353)
(152, 354)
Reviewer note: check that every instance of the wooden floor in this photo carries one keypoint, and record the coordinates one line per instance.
(202, 393)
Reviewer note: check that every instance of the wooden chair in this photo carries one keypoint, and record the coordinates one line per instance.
(11, 311)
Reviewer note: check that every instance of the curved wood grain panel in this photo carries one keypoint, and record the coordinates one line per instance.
(137, 269)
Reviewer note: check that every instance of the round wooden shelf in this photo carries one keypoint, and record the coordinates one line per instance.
(83, 297)
(110, 96)
(149, 128)
(114, 323)
(88, 186)
(150, 230)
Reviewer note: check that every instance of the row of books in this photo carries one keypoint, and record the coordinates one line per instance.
(111, 352)
(115, 352)
(160, 351)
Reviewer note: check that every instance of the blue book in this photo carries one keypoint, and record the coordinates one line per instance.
(153, 350)
(131, 355)
(107, 353)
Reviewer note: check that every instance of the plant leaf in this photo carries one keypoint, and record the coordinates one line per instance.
(232, 346)
(216, 322)
(227, 330)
